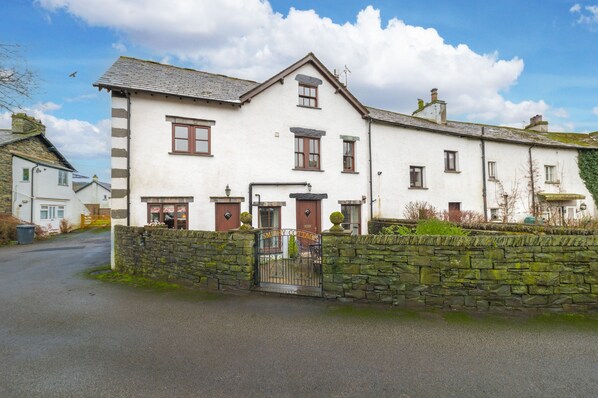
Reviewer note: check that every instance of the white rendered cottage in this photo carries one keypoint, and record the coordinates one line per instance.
(194, 149)
(35, 184)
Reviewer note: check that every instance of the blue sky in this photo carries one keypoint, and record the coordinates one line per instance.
(493, 62)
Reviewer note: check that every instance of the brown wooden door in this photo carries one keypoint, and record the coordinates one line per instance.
(227, 216)
(308, 215)
(454, 209)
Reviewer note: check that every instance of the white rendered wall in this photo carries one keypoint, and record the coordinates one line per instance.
(249, 144)
(395, 149)
(46, 191)
(94, 194)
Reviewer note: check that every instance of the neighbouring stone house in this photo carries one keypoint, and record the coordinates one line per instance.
(194, 149)
(35, 177)
(95, 195)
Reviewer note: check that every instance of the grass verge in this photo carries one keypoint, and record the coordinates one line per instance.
(105, 274)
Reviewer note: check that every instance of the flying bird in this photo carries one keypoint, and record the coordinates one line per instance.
(74, 74)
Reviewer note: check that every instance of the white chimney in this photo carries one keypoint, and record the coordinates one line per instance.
(435, 110)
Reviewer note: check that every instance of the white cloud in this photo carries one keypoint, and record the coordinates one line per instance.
(391, 65)
(595, 110)
(120, 47)
(74, 138)
(588, 15)
(561, 112)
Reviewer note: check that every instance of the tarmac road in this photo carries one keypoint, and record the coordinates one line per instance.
(64, 335)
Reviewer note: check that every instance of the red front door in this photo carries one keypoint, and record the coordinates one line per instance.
(227, 216)
(308, 216)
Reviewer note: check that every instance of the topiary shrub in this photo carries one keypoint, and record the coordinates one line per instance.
(245, 218)
(336, 218)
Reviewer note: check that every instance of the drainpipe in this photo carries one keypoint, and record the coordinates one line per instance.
(370, 171)
(532, 183)
(128, 95)
(269, 184)
(31, 196)
(484, 188)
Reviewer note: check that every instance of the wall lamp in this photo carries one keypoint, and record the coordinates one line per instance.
(227, 190)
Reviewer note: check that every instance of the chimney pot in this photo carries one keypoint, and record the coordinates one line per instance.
(434, 95)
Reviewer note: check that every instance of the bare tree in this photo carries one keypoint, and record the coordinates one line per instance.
(507, 201)
(17, 81)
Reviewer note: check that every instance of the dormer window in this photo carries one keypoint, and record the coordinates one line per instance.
(308, 91)
(308, 96)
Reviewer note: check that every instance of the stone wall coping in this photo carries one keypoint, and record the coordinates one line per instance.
(474, 241)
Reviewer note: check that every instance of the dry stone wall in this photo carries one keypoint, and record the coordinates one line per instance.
(216, 260)
(558, 273)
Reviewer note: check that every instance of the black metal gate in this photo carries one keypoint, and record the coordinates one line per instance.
(289, 261)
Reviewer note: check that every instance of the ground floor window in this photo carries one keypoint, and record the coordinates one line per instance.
(352, 220)
(49, 212)
(174, 215)
(269, 218)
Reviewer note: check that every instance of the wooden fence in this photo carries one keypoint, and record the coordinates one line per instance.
(88, 221)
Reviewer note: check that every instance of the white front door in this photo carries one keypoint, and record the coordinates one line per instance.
(50, 216)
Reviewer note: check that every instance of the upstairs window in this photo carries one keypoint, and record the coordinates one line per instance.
(349, 156)
(416, 177)
(492, 170)
(307, 153)
(450, 161)
(25, 175)
(550, 172)
(308, 95)
(63, 178)
(191, 139)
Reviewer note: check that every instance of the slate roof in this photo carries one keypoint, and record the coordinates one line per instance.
(42, 162)
(7, 137)
(78, 186)
(491, 133)
(136, 74)
(149, 76)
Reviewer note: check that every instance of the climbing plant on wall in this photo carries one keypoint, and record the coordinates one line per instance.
(588, 170)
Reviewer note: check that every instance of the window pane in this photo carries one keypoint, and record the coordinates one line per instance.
(155, 213)
(181, 145)
(181, 132)
(201, 133)
(25, 174)
(43, 214)
(201, 146)
(168, 214)
(60, 211)
(299, 160)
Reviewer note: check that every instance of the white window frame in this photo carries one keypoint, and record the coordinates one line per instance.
(492, 170)
(550, 173)
(63, 178)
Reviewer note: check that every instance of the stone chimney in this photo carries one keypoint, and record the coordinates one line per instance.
(435, 110)
(95, 178)
(537, 124)
(23, 124)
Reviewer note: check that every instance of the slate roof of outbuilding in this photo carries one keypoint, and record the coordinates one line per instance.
(136, 74)
(491, 133)
(7, 137)
(78, 186)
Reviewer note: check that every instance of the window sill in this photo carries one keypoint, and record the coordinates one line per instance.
(349, 172)
(308, 107)
(552, 182)
(418, 188)
(205, 155)
(296, 169)
(452, 171)
(493, 179)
